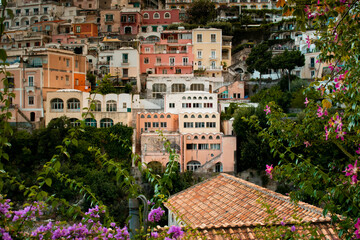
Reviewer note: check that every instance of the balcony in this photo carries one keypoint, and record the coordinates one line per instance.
(312, 65)
(109, 20)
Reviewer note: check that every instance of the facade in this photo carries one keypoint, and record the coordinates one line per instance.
(109, 109)
(235, 90)
(36, 73)
(172, 54)
(109, 22)
(130, 21)
(88, 4)
(85, 30)
(207, 50)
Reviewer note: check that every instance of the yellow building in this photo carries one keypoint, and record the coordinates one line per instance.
(207, 50)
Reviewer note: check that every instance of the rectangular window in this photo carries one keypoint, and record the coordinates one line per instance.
(124, 104)
(164, 71)
(197, 105)
(188, 124)
(147, 125)
(143, 29)
(31, 100)
(125, 58)
(125, 72)
(31, 81)
(199, 37)
(67, 80)
(186, 105)
(76, 63)
(213, 37)
(199, 53)
(213, 54)
(199, 64)
(76, 82)
(172, 61)
(78, 29)
(146, 60)
(155, 124)
(215, 146)
(208, 105)
(147, 50)
(211, 124)
(109, 18)
(163, 124)
(67, 62)
(191, 146)
(199, 125)
(171, 105)
(109, 28)
(203, 146)
(312, 62)
(185, 61)
(154, 28)
(158, 60)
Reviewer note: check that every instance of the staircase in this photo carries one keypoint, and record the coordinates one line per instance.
(208, 164)
(25, 117)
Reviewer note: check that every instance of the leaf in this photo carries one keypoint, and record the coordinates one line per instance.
(3, 55)
(48, 181)
(280, 3)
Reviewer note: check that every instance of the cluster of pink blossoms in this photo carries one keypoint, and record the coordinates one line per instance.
(351, 170)
(267, 110)
(269, 170)
(335, 123)
(357, 227)
(321, 112)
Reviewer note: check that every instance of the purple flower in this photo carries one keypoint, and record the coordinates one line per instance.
(306, 102)
(154, 234)
(155, 214)
(293, 228)
(357, 227)
(112, 224)
(175, 232)
(268, 170)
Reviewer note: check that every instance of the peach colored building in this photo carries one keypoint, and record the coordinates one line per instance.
(85, 30)
(34, 74)
(235, 90)
(110, 21)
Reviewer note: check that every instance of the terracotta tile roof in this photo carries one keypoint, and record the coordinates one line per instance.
(226, 199)
(228, 205)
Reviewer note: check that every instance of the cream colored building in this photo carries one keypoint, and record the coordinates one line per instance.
(108, 109)
(207, 50)
(199, 123)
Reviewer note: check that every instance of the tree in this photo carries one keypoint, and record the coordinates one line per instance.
(201, 12)
(259, 60)
(106, 86)
(288, 60)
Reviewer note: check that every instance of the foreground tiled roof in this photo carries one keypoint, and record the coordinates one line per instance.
(227, 200)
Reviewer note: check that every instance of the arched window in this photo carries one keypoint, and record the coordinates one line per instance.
(205, 98)
(184, 98)
(200, 98)
(203, 137)
(149, 116)
(199, 116)
(194, 98)
(218, 167)
(178, 87)
(142, 116)
(210, 98)
(73, 104)
(106, 122)
(206, 116)
(189, 98)
(196, 137)
(161, 116)
(156, 166)
(213, 116)
(217, 137)
(74, 122)
(193, 165)
(167, 15)
(91, 122)
(97, 105)
(197, 87)
(156, 15)
(192, 116)
(155, 116)
(57, 104)
(210, 137)
(146, 16)
(111, 106)
(185, 116)
(128, 30)
(168, 116)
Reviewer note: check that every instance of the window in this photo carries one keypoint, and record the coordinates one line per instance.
(211, 124)
(213, 54)
(91, 122)
(76, 63)
(168, 116)
(167, 15)
(146, 16)
(146, 60)
(199, 64)
(163, 124)
(171, 61)
(199, 37)
(199, 53)
(109, 28)
(197, 105)
(67, 62)
(111, 106)
(128, 30)
(312, 62)
(97, 106)
(154, 28)
(123, 19)
(171, 105)
(203, 146)
(197, 87)
(155, 124)
(178, 87)
(125, 72)
(156, 15)
(213, 116)
(157, 89)
(73, 104)
(67, 80)
(199, 125)
(109, 18)
(199, 116)
(218, 167)
(217, 137)
(193, 116)
(213, 37)
(31, 100)
(106, 122)
(185, 61)
(191, 146)
(148, 116)
(78, 29)
(124, 105)
(155, 116)
(147, 125)
(31, 81)
(208, 105)
(203, 137)
(213, 65)
(186, 105)
(188, 125)
(193, 165)
(147, 49)
(161, 116)
(215, 146)
(158, 60)
(144, 29)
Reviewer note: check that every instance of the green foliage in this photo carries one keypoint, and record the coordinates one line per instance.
(187, 26)
(226, 27)
(201, 12)
(273, 94)
(106, 86)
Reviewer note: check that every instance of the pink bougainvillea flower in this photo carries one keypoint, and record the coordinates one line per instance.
(269, 170)
(306, 102)
(357, 227)
(307, 144)
(351, 170)
(340, 134)
(267, 110)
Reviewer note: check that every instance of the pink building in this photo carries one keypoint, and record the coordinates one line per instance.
(160, 17)
(236, 90)
(171, 55)
(130, 23)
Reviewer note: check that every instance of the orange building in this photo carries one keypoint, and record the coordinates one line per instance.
(85, 30)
